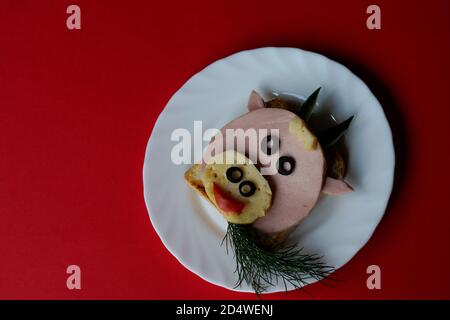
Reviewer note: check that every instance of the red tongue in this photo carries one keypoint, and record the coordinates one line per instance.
(225, 203)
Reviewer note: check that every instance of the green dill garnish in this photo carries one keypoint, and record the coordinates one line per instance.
(261, 267)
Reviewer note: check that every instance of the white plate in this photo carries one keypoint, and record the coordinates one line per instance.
(338, 227)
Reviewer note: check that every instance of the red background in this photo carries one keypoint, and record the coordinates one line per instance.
(77, 108)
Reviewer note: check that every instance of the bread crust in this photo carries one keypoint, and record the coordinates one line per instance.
(193, 177)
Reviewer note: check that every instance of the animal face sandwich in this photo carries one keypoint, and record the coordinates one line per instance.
(263, 209)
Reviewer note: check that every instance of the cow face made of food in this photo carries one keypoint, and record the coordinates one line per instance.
(295, 185)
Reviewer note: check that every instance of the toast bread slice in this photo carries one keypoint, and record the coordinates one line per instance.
(193, 177)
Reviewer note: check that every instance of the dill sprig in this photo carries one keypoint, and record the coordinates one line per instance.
(261, 267)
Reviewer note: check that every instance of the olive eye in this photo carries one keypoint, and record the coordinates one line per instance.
(234, 174)
(270, 144)
(247, 188)
(285, 165)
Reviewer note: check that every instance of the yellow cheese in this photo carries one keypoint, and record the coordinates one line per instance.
(256, 205)
(298, 127)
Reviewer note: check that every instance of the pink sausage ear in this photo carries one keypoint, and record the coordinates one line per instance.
(255, 101)
(336, 187)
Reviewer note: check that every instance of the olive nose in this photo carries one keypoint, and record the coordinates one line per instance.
(247, 188)
(234, 174)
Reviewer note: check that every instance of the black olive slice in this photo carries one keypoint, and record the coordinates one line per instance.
(285, 165)
(247, 188)
(234, 174)
(269, 144)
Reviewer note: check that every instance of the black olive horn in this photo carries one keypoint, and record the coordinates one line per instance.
(307, 107)
(330, 136)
